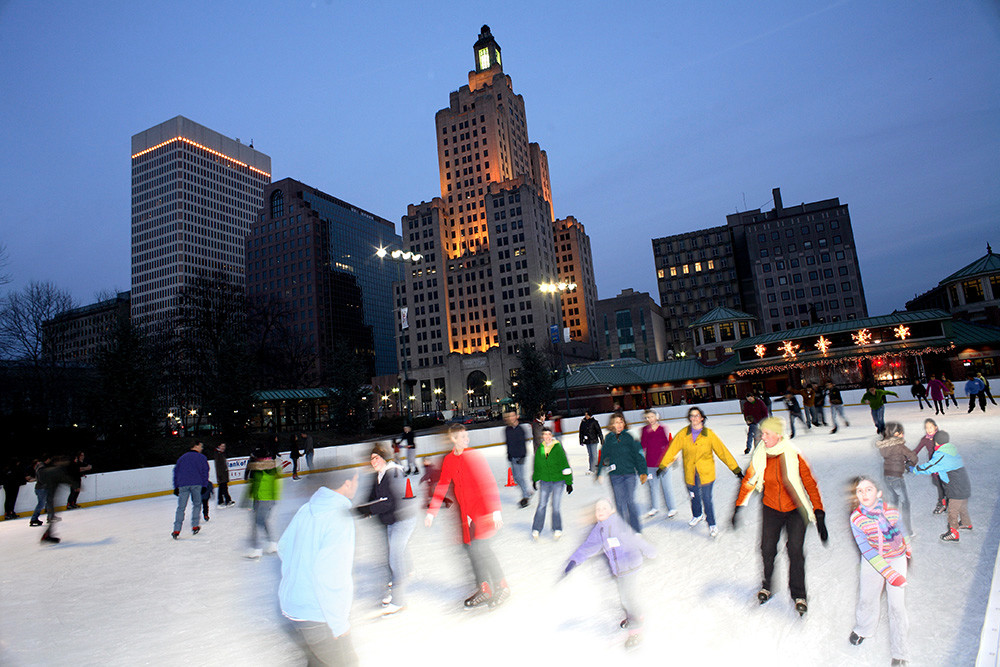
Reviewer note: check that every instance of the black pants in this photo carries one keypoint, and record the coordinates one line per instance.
(921, 400)
(982, 401)
(485, 565)
(795, 534)
(10, 497)
(938, 407)
(322, 647)
(224, 493)
(74, 494)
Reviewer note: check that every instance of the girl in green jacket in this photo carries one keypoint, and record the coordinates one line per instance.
(553, 471)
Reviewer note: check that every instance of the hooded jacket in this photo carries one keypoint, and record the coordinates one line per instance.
(317, 553)
(622, 547)
(896, 456)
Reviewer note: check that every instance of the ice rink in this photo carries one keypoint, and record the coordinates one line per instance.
(119, 591)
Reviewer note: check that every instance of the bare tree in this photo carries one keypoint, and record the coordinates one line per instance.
(21, 318)
(4, 259)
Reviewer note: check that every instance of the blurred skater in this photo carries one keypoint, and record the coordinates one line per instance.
(77, 469)
(14, 477)
(836, 405)
(517, 451)
(876, 398)
(624, 550)
(623, 460)
(791, 501)
(317, 555)
(897, 458)
(949, 466)
(927, 442)
(552, 471)
(479, 513)
(592, 437)
(654, 440)
(386, 501)
(885, 552)
(265, 488)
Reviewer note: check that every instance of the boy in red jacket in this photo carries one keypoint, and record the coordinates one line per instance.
(479, 512)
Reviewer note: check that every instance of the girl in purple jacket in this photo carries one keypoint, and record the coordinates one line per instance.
(624, 550)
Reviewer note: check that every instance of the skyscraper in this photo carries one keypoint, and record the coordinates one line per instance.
(488, 243)
(195, 193)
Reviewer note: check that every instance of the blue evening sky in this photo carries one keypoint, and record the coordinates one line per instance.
(658, 117)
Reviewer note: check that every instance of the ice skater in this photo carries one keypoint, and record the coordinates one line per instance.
(698, 446)
(836, 405)
(791, 502)
(876, 400)
(791, 402)
(654, 440)
(479, 513)
(552, 471)
(222, 475)
(938, 391)
(623, 460)
(517, 451)
(897, 458)
(949, 466)
(190, 477)
(975, 389)
(265, 489)
(591, 437)
(927, 442)
(885, 552)
(624, 550)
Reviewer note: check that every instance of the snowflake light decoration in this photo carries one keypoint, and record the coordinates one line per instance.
(760, 350)
(901, 332)
(789, 349)
(823, 344)
(863, 337)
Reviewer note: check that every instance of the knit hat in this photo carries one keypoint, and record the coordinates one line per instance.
(773, 424)
(942, 438)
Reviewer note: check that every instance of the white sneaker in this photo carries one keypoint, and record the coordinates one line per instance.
(713, 531)
(254, 554)
(534, 535)
(696, 520)
(390, 609)
(556, 535)
(271, 548)
(651, 513)
(671, 514)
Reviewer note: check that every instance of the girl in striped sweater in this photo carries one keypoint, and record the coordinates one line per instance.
(884, 554)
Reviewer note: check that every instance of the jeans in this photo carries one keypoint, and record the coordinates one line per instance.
(795, 535)
(183, 493)
(397, 537)
(592, 450)
(896, 488)
(921, 400)
(42, 496)
(870, 606)
(701, 496)
(753, 432)
(309, 460)
(623, 489)
(837, 410)
(517, 470)
(878, 416)
(261, 511)
(658, 485)
(792, 416)
(820, 416)
(323, 647)
(548, 490)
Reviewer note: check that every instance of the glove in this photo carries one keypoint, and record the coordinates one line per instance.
(642, 478)
(738, 473)
(821, 525)
(895, 578)
(177, 491)
(736, 513)
(660, 471)
(569, 566)
(569, 489)
(534, 484)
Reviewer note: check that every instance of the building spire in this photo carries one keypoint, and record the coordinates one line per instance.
(486, 50)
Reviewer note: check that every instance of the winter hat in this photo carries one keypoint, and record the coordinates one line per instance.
(941, 438)
(773, 424)
(382, 450)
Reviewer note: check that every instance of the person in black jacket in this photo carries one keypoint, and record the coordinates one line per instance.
(386, 501)
(591, 437)
(408, 441)
(222, 475)
(77, 467)
(517, 450)
(14, 476)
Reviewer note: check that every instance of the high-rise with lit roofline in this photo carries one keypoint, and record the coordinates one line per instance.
(195, 193)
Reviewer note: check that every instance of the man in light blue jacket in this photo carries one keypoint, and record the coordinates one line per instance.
(317, 554)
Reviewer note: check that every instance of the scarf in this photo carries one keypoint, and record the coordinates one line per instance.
(790, 469)
(887, 531)
(548, 447)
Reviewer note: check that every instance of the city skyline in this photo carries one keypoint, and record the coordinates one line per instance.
(657, 122)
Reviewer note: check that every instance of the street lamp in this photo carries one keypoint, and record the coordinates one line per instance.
(410, 257)
(559, 288)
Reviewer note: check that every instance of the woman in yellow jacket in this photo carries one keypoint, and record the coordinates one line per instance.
(699, 446)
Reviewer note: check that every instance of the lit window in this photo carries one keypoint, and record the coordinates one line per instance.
(685, 268)
(673, 270)
(711, 265)
(697, 266)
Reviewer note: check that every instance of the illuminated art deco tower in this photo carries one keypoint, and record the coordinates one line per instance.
(194, 194)
(488, 242)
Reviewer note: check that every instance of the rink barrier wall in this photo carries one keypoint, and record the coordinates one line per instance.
(126, 485)
(989, 638)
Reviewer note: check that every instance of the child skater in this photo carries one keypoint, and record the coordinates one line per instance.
(885, 550)
(624, 550)
(553, 471)
(951, 469)
(896, 459)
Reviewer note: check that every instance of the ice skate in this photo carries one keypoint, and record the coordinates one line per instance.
(651, 513)
(801, 606)
(49, 538)
(624, 624)
(390, 609)
(499, 597)
(671, 514)
(271, 548)
(35, 522)
(696, 520)
(480, 597)
(962, 526)
(557, 534)
(713, 531)
(195, 530)
(763, 595)
(855, 638)
(534, 535)
(254, 554)
(950, 536)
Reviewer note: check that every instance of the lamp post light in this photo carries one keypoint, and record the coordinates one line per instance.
(405, 257)
(559, 288)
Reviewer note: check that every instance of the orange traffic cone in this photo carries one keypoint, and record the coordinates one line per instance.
(409, 490)
(510, 477)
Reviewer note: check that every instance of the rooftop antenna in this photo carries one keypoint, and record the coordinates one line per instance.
(251, 143)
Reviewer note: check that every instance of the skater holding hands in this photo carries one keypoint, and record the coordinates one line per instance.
(624, 550)
(885, 552)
